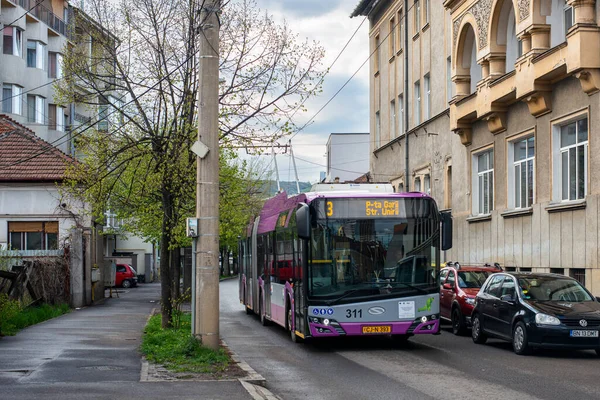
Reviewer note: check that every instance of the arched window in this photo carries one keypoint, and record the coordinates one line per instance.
(469, 57)
(506, 34)
(560, 18)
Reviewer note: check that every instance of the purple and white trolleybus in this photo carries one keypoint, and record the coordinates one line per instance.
(334, 263)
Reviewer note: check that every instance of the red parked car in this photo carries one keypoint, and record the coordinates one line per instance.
(458, 287)
(126, 276)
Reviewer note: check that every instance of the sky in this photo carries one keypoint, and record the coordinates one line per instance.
(329, 23)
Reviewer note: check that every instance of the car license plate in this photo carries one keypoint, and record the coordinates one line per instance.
(377, 329)
(583, 333)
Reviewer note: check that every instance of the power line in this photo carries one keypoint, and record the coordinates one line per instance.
(51, 146)
(354, 74)
(323, 77)
(55, 143)
(37, 3)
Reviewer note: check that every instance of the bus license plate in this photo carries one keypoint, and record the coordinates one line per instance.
(377, 329)
(582, 333)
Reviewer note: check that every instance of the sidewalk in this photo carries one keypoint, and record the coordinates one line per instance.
(92, 353)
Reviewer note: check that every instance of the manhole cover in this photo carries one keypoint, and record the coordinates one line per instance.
(103, 367)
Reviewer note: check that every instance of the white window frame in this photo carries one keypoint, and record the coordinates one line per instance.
(417, 115)
(422, 180)
(449, 86)
(377, 130)
(377, 53)
(417, 7)
(39, 109)
(60, 118)
(482, 204)
(40, 55)
(16, 101)
(393, 127)
(392, 37)
(17, 40)
(558, 153)
(427, 82)
(566, 22)
(401, 115)
(515, 167)
(400, 16)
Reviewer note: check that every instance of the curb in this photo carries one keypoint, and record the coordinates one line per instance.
(259, 392)
(253, 376)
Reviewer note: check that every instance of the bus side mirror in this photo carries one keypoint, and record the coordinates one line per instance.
(446, 219)
(303, 221)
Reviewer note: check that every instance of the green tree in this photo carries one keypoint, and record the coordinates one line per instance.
(138, 66)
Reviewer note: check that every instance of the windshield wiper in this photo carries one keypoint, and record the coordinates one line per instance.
(418, 289)
(348, 293)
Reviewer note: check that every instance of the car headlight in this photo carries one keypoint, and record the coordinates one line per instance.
(545, 319)
(470, 301)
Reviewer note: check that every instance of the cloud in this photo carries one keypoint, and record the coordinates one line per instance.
(301, 8)
(327, 22)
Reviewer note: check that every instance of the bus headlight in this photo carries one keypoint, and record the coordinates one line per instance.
(423, 319)
(325, 322)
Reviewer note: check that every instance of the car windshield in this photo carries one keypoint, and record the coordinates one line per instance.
(553, 289)
(472, 279)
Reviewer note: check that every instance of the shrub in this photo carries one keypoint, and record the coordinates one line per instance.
(8, 310)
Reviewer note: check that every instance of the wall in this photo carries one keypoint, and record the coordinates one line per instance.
(348, 156)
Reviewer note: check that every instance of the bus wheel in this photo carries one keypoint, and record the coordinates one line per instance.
(263, 316)
(293, 335)
(248, 310)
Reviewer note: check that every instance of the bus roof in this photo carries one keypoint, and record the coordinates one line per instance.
(281, 202)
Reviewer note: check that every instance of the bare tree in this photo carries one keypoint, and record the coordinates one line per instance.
(137, 65)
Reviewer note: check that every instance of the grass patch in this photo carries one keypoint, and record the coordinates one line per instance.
(31, 316)
(178, 350)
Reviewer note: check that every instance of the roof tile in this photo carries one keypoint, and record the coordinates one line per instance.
(26, 157)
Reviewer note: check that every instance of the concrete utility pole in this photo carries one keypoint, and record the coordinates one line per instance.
(206, 324)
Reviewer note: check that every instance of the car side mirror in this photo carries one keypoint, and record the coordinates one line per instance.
(598, 299)
(447, 286)
(508, 298)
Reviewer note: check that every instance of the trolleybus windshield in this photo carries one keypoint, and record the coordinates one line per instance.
(362, 248)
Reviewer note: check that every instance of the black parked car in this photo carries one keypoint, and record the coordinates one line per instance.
(536, 310)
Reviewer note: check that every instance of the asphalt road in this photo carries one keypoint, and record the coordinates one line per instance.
(436, 367)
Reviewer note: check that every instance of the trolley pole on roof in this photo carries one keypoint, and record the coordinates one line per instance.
(206, 301)
(295, 169)
(276, 168)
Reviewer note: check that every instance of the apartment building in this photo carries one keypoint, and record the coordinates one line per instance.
(36, 35)
(410, 81)
(509, 147)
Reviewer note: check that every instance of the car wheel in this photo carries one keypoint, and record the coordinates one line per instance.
(519, 339)
(126, 284)
(477, 332)
(458, 323)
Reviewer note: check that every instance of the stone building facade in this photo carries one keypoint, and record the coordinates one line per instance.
(516, 139)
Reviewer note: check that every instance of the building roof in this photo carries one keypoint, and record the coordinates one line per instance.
(24, 157)
(361, 8)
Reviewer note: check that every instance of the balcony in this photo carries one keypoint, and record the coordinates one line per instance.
(43, 14)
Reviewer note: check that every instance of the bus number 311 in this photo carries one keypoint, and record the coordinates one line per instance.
(353, 313)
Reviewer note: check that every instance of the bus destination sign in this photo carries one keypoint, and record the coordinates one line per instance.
(360, 208)
(384, 208)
